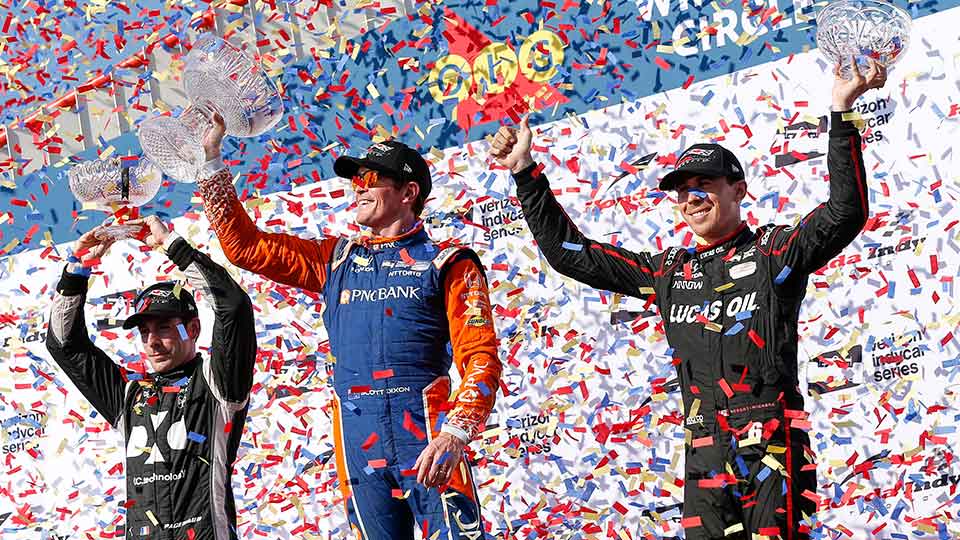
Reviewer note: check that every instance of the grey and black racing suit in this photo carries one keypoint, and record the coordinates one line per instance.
(730, 314)
(182, 428)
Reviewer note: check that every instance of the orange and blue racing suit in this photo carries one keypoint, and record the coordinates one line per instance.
(399, 312)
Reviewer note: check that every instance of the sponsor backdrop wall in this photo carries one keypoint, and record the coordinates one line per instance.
(587, 438)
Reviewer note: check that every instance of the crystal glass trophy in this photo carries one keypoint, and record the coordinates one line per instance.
(218, 77)
(108, 182)
(862, 29)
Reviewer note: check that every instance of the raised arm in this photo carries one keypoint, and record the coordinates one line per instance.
(233, 351)
(283, 258)
(598, 264)
(280, 257)
(97, 377)
(829, 228)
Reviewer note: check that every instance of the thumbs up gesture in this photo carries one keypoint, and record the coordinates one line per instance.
(511, 146)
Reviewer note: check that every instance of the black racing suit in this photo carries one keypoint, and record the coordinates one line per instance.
(182, 428)
(730, 315)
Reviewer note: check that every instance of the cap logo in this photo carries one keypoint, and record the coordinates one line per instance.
(377, 149)
(687, 159)
(407, 168)
(696, 155)
(162, 293)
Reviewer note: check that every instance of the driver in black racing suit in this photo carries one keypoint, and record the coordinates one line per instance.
(730, 310)
(182, 423)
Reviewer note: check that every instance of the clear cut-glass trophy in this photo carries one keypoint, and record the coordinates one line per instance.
(862, 29)
(218, 77)
(106, 184)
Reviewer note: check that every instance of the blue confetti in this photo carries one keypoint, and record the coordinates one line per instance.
(734, 330)
(782, 276)
(763, 474)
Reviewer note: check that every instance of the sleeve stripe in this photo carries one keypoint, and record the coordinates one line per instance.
(615, 254)
(858, 158)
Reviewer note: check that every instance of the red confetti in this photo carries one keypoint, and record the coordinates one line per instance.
(757, 340)
(383, 374)
(703, 441)
(371, 440)
(411, 426)
(407, 259)
(913, 278)
(725, 387)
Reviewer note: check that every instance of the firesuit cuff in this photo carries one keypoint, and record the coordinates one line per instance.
(840, 127)
(527, 176)
(179, 251)
(210, 168)
(73, 281)
(171, 238)
(456, 432)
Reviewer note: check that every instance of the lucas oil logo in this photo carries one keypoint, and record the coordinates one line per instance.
(688, 313)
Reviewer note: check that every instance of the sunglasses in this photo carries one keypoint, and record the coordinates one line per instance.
(365, 180)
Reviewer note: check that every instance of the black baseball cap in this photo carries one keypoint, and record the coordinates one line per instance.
(163, 300)
(703, 160)
(392, 158)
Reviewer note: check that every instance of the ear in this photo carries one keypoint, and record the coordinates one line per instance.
(741, 187)
(193, 328)
(410, 192)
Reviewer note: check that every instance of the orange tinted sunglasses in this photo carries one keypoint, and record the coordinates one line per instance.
(365, 180)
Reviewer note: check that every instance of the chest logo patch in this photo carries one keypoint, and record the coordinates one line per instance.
(743, 270)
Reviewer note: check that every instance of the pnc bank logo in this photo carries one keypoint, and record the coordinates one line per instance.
(485, 80)
(353, 296)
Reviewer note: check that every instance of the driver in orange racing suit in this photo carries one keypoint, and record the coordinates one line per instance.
(399, 309)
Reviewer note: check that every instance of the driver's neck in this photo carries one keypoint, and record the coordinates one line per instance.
(396, 227)
(187, 358)
(719, 237)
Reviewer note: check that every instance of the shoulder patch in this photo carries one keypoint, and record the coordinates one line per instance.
(765, 234)
(670, 259)
(766, 239)
(340, 252)
(444, 256)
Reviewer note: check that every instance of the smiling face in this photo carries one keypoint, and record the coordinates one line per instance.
(711, 205)
(380, 202)
(164, 345)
